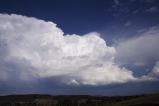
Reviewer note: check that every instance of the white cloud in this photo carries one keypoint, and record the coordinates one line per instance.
(155, 71)
(141, 50)
(153, 75)
(33, 48)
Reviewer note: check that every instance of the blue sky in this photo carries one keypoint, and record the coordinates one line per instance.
(111, 18)
(108, 46)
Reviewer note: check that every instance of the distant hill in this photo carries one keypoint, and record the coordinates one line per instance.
(78, 100)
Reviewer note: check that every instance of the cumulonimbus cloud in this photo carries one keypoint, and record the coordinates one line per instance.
(33, 48)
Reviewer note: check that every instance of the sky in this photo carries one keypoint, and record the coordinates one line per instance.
(79, 47)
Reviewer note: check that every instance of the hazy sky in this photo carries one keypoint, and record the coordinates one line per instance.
(97, 47)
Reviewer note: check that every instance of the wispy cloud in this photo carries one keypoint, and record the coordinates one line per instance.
(150, 1)
(152, 9)
(127, 24)
(116, 2)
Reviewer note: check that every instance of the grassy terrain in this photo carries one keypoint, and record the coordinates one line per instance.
(78, 100)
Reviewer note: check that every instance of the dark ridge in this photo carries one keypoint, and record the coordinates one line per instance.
(78, 100)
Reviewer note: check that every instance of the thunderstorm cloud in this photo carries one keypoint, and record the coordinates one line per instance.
(31, 49)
